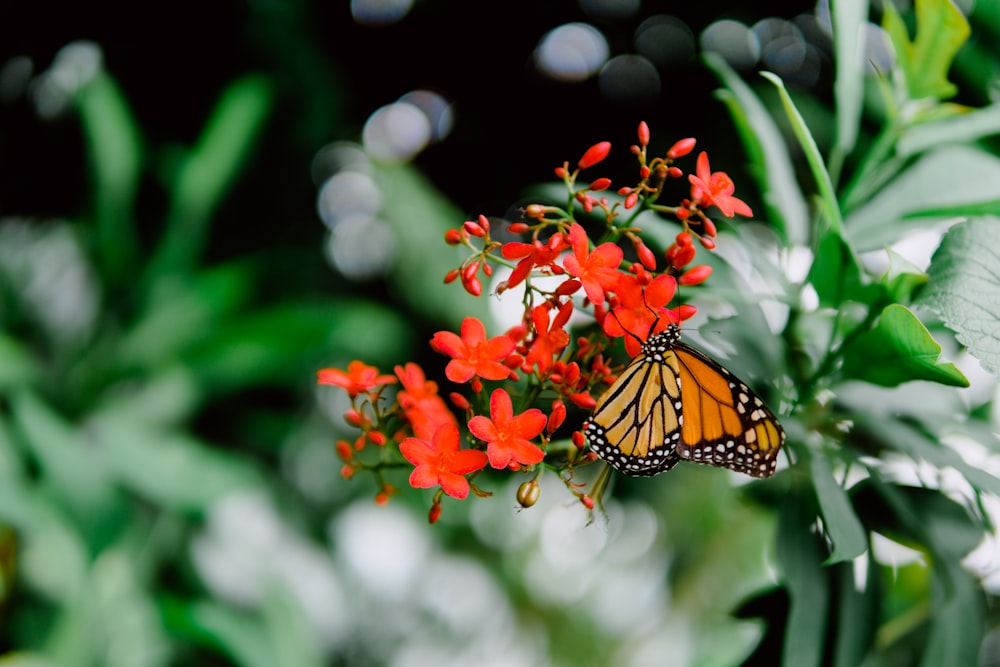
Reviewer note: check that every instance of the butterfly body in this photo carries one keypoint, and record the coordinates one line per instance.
(672, 403)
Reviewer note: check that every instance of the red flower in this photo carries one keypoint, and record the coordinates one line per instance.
(358, 379)
(641, 312)
(598, 270)
(440, 461)
(507, 436)
(423, 408)
(549, 340)
(532, 255)
(473, 354)
(708, 189)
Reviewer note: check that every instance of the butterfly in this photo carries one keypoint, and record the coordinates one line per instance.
(672, 403)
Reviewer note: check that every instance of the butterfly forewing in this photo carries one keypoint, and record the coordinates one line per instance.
(674, 403)
(635, 424)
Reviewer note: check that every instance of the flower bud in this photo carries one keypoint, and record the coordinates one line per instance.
(528, 493)
(696, 275)
(594, 154)
(453, 237)
(681, 148)
(435, 513)
(643, 133)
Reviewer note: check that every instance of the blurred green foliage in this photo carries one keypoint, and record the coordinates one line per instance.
(176, 381)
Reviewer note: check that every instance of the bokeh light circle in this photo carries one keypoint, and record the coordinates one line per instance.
(664, 40)
(571, 52)
(629, 79)
(732, 40)
(396, 132)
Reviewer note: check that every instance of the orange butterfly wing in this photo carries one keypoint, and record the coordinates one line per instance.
(673, 403)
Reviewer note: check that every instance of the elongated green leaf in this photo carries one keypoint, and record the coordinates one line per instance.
(849, 19)
(964, 287)
(945, 181)
(964, 128)
(65, 457)
(116, 155)
(898, 349)
(827, 197)
(941, 31)
(847, 534)
(420, 215)
(770, 162)
(858, 605)
(957, 617)
(799, 555)
(210, 169)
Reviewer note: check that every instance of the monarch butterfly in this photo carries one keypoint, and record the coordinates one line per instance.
(672, 403)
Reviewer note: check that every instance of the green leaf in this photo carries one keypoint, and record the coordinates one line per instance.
(902, 279)
(957, 617)
(940, 185)
(847, 534)
(827, 197)
(242, 637)
(770, 162)
(289, 342)
(835, 272)
(896, 350)
(65, 456)
(849, 18)
(115, 151)
(209, 170)
(171, 469)
(918, 517)
(957, 129)
(964, 287)
(420, 215)
(858, 608)
(799, 554)
(941, 31)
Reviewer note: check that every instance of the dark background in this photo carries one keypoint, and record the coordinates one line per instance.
(512, 124)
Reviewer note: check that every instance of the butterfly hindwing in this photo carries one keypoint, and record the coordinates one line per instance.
(674, 403)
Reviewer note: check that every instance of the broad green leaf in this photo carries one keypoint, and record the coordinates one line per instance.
(941, 31)
(961, 129)
(172, 470)
(898, 349)
(799, 557)
(849, 20)
(835, 273)
(845, 531)
(116, 154)
(208, 171)
(770, 162)
(918, 517)
(964, 287)
(827, 197)
(945, 182)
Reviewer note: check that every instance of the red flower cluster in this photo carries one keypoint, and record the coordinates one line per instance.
(537, 368)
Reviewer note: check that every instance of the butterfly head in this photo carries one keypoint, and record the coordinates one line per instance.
(664, 340)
